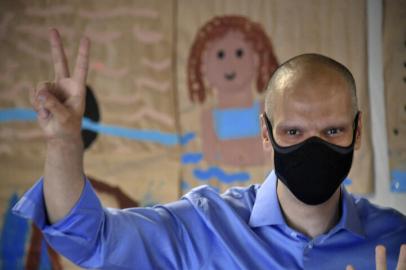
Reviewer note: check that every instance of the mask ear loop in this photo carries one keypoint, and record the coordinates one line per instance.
(355, 126)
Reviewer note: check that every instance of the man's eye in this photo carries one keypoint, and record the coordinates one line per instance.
(333, 131)
(293, 132)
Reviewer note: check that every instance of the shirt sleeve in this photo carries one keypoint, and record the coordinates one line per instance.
(96, 237)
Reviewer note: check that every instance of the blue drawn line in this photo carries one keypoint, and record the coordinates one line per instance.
(398, 183)
(12, 239)
(191, 158)
(187, 137)
(17, 114)
(165, 138)
(222, 176)
(184, 185)
(347, 181)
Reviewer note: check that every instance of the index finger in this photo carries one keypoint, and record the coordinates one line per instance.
(380, 257)
(58, 55)
(82, 61)
(402, 258)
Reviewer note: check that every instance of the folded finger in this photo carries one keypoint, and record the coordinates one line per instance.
(58, 55)
(349, 267)
(50, 103)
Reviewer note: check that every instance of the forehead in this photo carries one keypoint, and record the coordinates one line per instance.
(229, 39)
(312, 93)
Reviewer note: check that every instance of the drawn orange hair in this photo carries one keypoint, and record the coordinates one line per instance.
(217, 28)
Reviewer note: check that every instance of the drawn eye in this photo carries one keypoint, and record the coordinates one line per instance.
(221, 54)
(239, 53)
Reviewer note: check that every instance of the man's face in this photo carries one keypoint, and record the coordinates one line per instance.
(313, 103)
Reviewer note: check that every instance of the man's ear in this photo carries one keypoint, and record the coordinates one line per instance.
(266, 142)
(358, 133)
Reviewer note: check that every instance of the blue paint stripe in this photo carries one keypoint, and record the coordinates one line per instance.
(13, 237)
(219, 174)
(133, 134)
(17, 114)
(191, 158)
(168, 139)
(398, 183)
(347, 181)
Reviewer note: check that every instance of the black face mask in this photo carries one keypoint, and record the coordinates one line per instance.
(314, 168)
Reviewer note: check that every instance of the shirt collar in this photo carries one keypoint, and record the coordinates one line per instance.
(350, 219)
(267, 211)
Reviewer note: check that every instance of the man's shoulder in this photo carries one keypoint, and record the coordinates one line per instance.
(368, 210)
(236, 199)
(379, 219)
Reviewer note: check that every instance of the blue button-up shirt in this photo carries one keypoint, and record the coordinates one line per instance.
(241, 229)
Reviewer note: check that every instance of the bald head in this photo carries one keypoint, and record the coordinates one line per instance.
(308, 68)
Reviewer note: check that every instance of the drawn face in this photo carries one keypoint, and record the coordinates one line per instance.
(230, 63)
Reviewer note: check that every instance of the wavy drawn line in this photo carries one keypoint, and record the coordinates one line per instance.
(119, 12)
(4, 23)
(42, 31)
(147, 36)
(150, 83)
(191, 158)
(152, 114)
(123, 99)
(156, 65)
(6, 149)
(27, 135)
(102, 37)
(221, 175)
(38, 55)
(50, 11)
(10, 94)
(155, 136)
(9, 71)
(115, 73)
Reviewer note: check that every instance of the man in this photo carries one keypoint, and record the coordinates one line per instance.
(299, 218)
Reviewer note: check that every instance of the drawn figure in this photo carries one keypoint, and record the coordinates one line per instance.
(230, 61)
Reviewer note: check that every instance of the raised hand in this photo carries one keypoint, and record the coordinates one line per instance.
(60, 104)
(380, 259)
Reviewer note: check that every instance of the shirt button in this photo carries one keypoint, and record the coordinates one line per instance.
(293, 234)
(310, 245)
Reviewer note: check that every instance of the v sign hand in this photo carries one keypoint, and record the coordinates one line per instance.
(60, 105)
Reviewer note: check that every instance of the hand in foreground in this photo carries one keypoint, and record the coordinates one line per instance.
(380, 259)
(60, 104)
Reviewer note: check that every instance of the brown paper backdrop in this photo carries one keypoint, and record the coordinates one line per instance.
(138, 74)
(334, 28)
(395, 89)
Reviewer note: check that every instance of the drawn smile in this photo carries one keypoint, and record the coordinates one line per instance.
(230, 76)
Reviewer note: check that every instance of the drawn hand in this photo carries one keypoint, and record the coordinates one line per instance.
(380, 259)
(60, 104)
